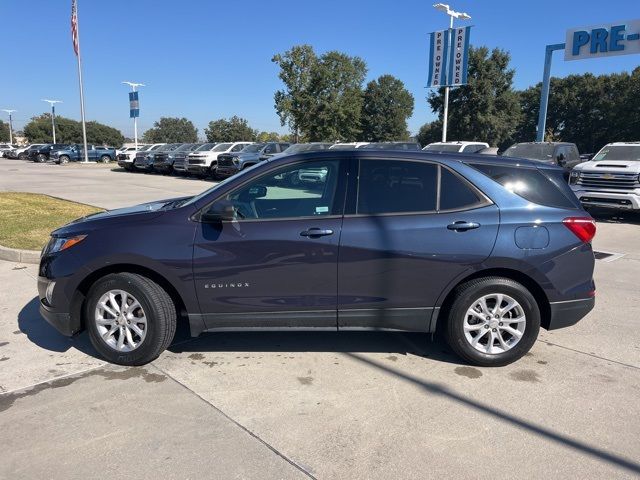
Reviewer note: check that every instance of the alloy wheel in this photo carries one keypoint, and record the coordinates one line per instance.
(494, 323)
(120, 320)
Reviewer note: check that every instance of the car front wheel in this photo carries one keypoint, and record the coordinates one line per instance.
(131, 319)
(493, 321)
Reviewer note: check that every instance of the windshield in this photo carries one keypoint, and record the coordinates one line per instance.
(442, 147)
(619, 152)
(223, 182)
(144, 149)
(307, 147)
(221, 147)
(170, 147)
(530, 151)
(185, 148)
(253, 148)
(156, 147)
(343, 146)
(205, 148)
(391, 146)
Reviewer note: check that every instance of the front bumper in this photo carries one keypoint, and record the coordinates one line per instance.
(565, 314)
(615, 200)
(63, 321)
(198, 169)
(227, 171)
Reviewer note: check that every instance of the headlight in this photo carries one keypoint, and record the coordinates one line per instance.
(574, 177)
(58, 244)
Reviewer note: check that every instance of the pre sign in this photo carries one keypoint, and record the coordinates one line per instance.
(605, 40)
(438, 58)
(459, 56)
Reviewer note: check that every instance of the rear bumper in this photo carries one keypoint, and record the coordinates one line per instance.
(565, 314)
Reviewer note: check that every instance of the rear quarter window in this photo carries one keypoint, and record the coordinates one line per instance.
(530, 184)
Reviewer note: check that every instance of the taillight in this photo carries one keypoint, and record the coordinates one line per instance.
(582, 227)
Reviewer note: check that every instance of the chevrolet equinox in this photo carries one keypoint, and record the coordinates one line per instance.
(488, 249)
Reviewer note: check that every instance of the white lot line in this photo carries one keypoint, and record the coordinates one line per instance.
(612, 256)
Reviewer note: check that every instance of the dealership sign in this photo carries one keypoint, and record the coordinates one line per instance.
(604, 40)
(448, 57)
(134, 106)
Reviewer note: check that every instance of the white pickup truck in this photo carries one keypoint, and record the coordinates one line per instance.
(611, 179)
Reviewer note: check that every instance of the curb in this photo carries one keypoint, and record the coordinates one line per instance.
(20, 256)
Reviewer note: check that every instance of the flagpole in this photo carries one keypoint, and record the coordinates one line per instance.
(84, 126)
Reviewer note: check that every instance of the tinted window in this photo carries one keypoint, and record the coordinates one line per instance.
(442, 147)
(528, 183)
(391, 186)
(531, 151)
(455, 194)
(473, 148)
(303, 190)
(271, 148)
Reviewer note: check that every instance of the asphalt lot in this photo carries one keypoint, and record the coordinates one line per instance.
(323, 405)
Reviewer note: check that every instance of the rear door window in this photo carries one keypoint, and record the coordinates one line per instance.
(455, 193)
(392, 186)
(528, 183)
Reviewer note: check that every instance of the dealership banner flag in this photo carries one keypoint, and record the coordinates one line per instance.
(438, 58)
(134, 106)
(459, 60)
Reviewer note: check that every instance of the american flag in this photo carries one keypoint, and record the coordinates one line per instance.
(74, 25)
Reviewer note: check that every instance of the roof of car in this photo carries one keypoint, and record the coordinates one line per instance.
(418, 155)
(619, 144)
(542, 143)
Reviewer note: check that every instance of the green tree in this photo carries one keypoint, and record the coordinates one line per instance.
(291, 103)
(429, 133)
(232, 130)
(587, 110)
(4, 132)
(487, 108)
(267, 137)
(172, 130)
(322, 99)
(39, 130)
(387, 106)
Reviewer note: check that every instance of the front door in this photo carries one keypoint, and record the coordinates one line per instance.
(402, 243)
(275, 264)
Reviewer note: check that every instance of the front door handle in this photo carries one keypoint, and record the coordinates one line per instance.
(462, 226)
(316, 232)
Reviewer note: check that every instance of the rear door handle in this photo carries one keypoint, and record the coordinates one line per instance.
(316, 232)
(462, 226)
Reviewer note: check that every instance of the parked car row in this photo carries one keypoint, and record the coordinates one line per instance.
(224, 159)
(61, 153)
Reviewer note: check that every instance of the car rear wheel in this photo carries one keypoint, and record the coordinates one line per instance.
(493, 321)
(131, 319)
(105, 158)
(41, 158)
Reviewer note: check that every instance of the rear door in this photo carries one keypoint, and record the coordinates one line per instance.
(411, 228)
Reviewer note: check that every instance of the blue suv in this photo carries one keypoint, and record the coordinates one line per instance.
(488, 249)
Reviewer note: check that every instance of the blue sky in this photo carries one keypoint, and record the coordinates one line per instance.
(210, 59)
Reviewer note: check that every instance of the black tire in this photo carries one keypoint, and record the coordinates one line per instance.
(23, 156)
(466, 295)
(41, 158)
(105, 158)
(63, 159)
(157, 305)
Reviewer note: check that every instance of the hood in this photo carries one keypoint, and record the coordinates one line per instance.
(143, 212)
(620, 166)
(248, 155)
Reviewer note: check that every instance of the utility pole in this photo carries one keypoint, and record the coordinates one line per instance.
(53, 115)
(10, 124)
(462, 16)
(134, 109)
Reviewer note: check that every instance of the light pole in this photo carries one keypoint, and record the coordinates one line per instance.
(135, 117)
(53, 115)
(462, 16)
(10, 124)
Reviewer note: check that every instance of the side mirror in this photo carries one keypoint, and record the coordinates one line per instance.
(220, 211)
